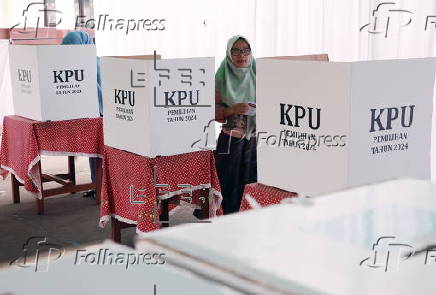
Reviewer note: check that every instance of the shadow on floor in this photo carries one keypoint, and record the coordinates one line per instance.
(69, 220)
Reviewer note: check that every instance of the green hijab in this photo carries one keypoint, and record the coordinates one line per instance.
(237, 85)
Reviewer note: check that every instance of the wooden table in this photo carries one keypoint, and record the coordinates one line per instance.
(67, 182)
(163, 220)
(139, 191)
(24, 141)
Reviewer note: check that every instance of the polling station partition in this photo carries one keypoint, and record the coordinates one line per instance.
(158, 107)
(327, 126)
(53, 83)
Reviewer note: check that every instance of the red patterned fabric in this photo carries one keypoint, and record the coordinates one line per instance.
(263, 195)
(25, 140)
(129, 193)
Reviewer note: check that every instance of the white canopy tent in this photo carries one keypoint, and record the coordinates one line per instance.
(342, 28)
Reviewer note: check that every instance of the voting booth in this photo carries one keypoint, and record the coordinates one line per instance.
(52, 82)
(326, 126)
(158, 107)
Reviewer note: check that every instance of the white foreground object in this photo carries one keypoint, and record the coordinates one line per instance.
(326, 248)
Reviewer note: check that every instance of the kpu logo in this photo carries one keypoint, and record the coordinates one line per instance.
(384, 120)
(24, 75)
(293, 118)
(65, 76)
(180, 97)
(122, 95)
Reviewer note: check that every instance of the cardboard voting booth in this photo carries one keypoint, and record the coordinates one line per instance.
(327, 126)
(53, 82)
(158, 107)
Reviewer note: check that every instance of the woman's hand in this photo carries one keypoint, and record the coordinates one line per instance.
(237, 109)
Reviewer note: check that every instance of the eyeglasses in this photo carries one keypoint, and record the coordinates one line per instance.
(237, 51)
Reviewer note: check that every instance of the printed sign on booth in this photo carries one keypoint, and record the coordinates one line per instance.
(343, 124)
(156, 106)
(52, 83)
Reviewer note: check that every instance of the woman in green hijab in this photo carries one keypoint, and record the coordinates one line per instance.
(235, 156)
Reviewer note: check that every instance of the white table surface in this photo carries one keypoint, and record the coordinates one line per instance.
(315, 249)
(64, 276)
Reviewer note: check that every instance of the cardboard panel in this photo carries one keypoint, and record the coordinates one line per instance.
(288, 94)
(314, 57)
(142, 57)
(391, 109)
(126, 108)
(184, 108)
(381, 111)
(174, 105)
(63, 81)
(23, 64)
(68, 81)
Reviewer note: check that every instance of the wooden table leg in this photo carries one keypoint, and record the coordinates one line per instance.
(116, 230)
(164, 217)
(15, 189)
(40, 206)
(205, 206)
(71, 170)
(98, 172)
(40, 202)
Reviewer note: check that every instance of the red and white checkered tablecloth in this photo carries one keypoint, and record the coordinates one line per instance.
(259, 195)
(129, 192)
(25, 140)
